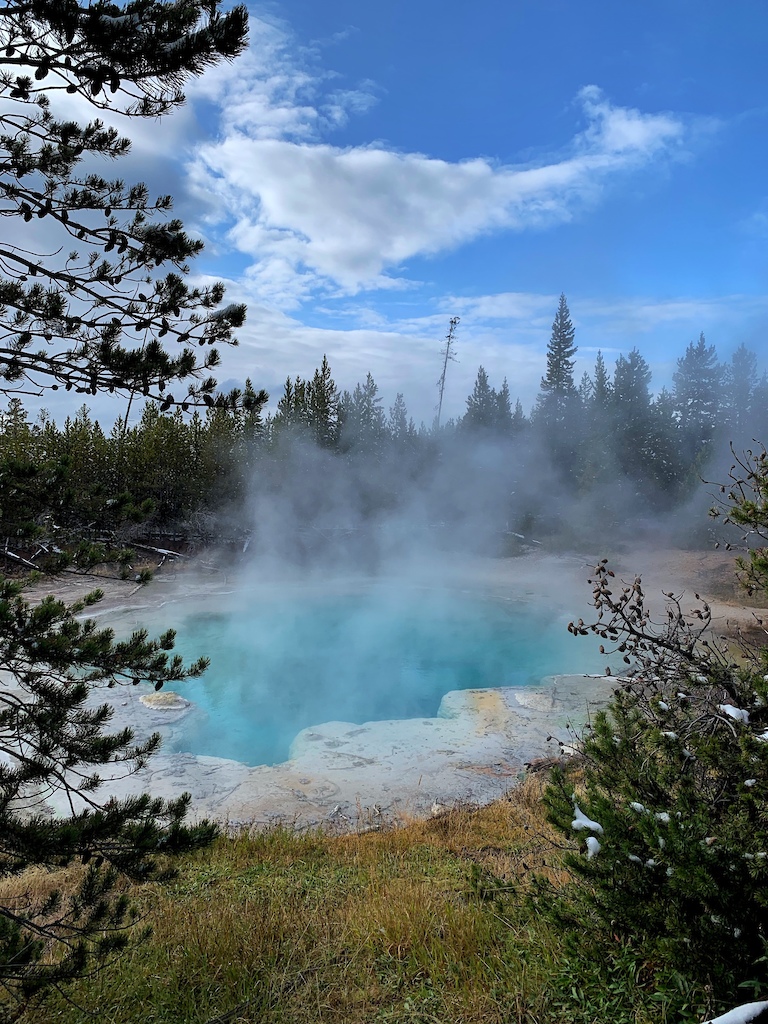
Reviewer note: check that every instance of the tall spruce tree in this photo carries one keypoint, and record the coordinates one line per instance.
(558, 391)
(292, 414)
(90, 308)
(585, 389)
(668, 467)
(558, 406)
(519, 419)
(503, 409)
(363, 421)
(401, 428)
(631, 401)
(601, 384)
(323, 403)
(597, 456)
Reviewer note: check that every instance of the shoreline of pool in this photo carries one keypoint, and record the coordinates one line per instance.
(346, 775)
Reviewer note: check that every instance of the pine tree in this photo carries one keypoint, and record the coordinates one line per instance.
(759, 422)
(96, 316)
(93, 316)
(558, 391)
(29, 475)
(519, 419)
(253, 406)
(482, 405)
(56, 743)
(631, 408)
(558, 413)
(601, 387)
(363, 425)
(293, 413)
(631, 384)
(739, 382)
(323, 406)
(697, 398)
(668, 468)
(503, 421)
(401, 429)
(585, 389)
(598, 466)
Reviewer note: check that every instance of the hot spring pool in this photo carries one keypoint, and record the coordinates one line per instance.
(280, 664)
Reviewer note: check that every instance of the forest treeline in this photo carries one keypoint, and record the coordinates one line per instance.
(606, 444)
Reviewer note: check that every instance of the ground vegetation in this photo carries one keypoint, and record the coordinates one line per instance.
(429, 921)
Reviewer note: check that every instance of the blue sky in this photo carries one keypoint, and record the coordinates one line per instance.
(367, 171)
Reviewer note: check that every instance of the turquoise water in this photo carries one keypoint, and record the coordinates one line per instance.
(281, 665)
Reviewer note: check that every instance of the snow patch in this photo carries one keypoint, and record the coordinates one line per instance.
(741, 1014)
(593, 847)
(738, 714)
(581, 821)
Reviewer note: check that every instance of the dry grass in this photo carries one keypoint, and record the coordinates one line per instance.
(36, 884)
(420, 924)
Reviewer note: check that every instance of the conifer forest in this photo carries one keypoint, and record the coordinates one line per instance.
(607, 442)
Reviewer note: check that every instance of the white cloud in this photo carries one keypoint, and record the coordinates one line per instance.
(316, 217)
(622, 317)
(316, 220)
(399, 358)
(277, 89)
(524, 306)
(402, 353)
(624, 130)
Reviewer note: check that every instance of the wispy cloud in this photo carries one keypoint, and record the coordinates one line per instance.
(527, 307)
(279, 90)
(632, 316)
(627, 315)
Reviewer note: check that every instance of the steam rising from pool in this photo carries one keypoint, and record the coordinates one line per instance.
(281, 662)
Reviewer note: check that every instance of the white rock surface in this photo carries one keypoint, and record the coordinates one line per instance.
(347, 775)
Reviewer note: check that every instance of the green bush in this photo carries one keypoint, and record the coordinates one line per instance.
(668, 820)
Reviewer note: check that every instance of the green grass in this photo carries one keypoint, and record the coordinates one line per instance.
(425, 923)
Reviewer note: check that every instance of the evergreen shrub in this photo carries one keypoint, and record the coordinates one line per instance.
(668, 823)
